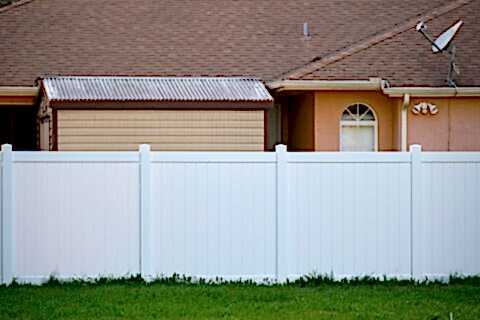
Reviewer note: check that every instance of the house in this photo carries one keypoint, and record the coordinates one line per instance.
(315, 75)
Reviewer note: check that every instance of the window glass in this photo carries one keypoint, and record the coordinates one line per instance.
(358, 128)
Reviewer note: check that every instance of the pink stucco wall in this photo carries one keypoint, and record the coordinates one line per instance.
(329, 107)
(456, 127)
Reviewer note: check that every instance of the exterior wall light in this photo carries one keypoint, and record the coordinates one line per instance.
(425, 108)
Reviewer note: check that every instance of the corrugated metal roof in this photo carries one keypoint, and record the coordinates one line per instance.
(92, 88)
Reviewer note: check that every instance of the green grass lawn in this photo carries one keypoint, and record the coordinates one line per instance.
(136, 300)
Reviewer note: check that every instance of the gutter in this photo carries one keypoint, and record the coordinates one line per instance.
(373, 84)
(18, 96)
(399, 92)
(404, 122)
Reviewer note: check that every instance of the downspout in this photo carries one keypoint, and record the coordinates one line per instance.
(404, 121)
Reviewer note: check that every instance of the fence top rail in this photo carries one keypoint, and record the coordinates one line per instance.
(243, 157)
(350, 157)
(459, 157)
(73, 156)
(214, 157)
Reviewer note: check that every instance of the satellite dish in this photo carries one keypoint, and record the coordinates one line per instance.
(443, 44)
(446, 37)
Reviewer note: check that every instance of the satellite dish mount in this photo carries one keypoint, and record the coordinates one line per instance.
(443, 44)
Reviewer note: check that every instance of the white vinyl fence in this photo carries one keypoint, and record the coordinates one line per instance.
(239, 215)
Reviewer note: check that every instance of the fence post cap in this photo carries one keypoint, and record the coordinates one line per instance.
(280, 148)
(144, 147)
(415, 147)
(6, 147)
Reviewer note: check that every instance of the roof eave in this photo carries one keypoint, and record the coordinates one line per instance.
(157, 104)
(18, 96)
(373, 84)
(440, 92)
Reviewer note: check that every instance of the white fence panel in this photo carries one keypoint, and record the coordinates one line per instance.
(447, 224)
(76, 216)
(349, 214)
(213, 215)
(1, 217)
(238, 215)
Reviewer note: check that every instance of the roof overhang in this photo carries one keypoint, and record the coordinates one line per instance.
(440, 92)
(18, 96)
(156, 92)
(373, 84)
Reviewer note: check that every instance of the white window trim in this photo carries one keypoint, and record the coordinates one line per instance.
(353, 123)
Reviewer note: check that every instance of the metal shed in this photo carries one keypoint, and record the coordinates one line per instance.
(169, 113)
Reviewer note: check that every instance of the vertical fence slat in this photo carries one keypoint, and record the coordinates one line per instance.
(8, 245)
(415, 205)
(145, 223)
(281, 227)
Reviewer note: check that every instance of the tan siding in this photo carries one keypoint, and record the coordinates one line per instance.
(113, 123)
(184, 131)
(160, 115)
(171, 139)
(214, 130)
(163, 147)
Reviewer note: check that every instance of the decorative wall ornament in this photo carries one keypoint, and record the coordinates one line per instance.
(425, 108)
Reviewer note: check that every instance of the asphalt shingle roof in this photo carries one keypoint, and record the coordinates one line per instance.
(260, 38)
(406, 58)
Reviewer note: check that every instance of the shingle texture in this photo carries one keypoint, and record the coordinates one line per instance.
(155, 89)
(406, 58)
(261, 38)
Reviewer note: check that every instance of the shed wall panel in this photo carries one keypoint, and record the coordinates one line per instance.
(181, 130)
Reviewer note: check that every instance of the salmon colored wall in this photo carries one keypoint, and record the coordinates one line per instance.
(300, 122)
(456, 126)
(328, 110)
(397, 124)
(429, 131)
(465, 125)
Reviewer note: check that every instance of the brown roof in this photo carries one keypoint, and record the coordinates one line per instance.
(404, 57)
(261, 38)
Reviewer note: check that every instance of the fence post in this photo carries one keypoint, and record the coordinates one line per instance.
(145, 225)
(281, 236)
(415, 198)
(8, 245)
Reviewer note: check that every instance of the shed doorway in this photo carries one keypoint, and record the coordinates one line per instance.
(18, 127)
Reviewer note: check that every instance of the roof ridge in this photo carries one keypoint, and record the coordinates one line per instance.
(373, 40)
(14, 5)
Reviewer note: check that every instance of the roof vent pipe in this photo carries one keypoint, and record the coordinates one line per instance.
(306, 31)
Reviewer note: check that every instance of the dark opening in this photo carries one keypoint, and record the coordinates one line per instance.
(18, 127)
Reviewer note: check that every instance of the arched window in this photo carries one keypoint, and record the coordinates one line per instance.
(358, 128)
